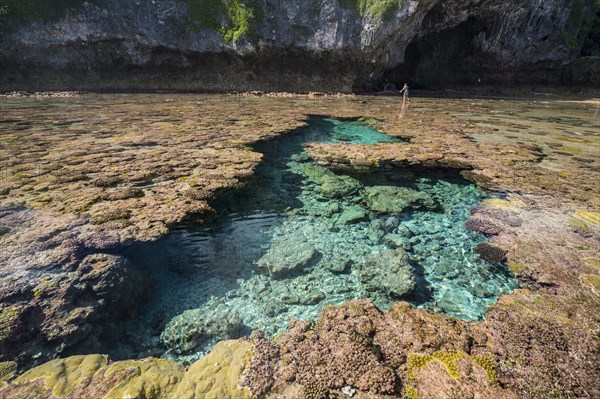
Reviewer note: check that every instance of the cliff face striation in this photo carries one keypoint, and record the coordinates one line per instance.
(339, 45)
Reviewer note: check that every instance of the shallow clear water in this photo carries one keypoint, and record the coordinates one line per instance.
(299, 237)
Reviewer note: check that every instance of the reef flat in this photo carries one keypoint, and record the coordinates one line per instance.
(85, 176)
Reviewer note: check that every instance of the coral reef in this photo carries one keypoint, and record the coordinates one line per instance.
(287, 256)
(92, 376)
(482, 225)
(490, 252)
(60, 287)
(387, 343)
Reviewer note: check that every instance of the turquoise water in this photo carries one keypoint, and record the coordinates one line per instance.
(299, 237)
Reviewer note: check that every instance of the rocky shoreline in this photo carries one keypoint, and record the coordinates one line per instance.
(78, 187)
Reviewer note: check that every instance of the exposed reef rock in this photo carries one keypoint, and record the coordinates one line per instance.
(330, 45)
(58, 295)
(490, 253)
(404, 352)
(51, 295)
(56, 230)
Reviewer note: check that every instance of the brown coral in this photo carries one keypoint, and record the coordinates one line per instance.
(498, 214)
(197, 194)
(490, 252)
(107, 181)
(483, 225)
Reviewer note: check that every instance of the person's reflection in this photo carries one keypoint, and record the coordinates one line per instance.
(404, 107)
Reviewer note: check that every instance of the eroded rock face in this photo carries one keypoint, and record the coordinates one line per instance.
(284, 45)
(59, 294)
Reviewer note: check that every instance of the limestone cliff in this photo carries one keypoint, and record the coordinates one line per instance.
(295, 46)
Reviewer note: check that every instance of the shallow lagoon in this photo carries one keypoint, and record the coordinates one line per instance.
(298, 237)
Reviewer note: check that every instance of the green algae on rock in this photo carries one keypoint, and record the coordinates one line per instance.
(7, 372)
(62, 376)
(390, 199)
(592, 281)
(215, 376)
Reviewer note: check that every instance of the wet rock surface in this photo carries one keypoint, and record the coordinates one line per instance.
(389, 272)
(389, 199)
(187, 332)
(288, 256)
(536, 340)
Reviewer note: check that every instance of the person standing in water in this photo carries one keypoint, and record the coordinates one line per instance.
(404, 93)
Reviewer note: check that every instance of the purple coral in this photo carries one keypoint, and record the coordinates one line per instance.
(339, 350)
(259, 377)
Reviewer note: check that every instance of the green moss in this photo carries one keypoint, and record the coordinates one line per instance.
(241, 17)
(410, 392)
(7, 371)
(8, 315)
(233, 18)
(448, 359)
(377, 9)
(488, 365)
(43, 287)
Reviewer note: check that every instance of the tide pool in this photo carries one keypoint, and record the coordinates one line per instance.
(299, 237)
